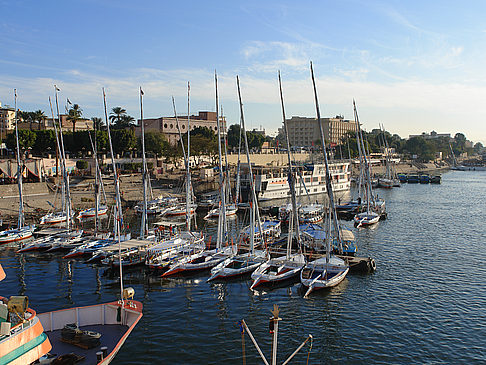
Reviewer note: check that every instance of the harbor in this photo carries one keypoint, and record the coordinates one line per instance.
(377, 311)
(242, 183)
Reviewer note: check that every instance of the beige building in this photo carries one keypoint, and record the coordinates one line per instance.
(168, 125)
(7, 118)
(304, 132)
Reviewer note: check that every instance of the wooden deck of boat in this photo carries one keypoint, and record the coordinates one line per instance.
(128, 244)
(110, 336)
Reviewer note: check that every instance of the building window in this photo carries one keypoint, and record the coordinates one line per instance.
(172, 125)
(183, 126)
(165, 125)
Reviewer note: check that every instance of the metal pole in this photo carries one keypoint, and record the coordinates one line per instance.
(275, 340)
(254, 342)
(297, 350)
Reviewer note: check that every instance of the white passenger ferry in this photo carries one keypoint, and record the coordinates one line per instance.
(272, 182)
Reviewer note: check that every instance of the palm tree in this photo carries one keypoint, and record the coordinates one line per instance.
(116, 114)
(97, 123)
(40, 117)
(125, 122)
(74, 114)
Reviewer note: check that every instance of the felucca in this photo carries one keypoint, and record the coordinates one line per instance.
(22, 232)
(207, 259)
(330, 270)
(245, 263)
(282, 268)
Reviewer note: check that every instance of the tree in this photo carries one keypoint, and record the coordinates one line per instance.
(26, 140)
(120, 119)
(233, 136)
(156, 143)
(424, 149)
(125, 122)
(40, 117)
(74, 114)
(123, 140)
(204, 131)
(116, 114)
(45, 141)
(98, 124)
(81, 165)
(478, 147)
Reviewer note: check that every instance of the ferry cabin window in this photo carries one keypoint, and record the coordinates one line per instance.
(315, 179)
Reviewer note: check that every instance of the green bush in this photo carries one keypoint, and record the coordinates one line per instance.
(81, 165)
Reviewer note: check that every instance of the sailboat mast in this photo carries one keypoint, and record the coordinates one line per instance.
(143, 224)
(20, 223)
(97, 186)
(188, 170)
(252, 182)
(291, 178)
(365, 161)
(63, 163)
(332, 207)
(222, 199)
(238, 179)
(118, 209)
(179, 130)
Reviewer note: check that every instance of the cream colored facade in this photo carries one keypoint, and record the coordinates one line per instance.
(168, 125)
(304, 132)
(7, 118)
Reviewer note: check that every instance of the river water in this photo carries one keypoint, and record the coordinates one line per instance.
(426, 303)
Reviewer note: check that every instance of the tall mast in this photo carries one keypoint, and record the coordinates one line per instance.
(97, 186)
(179, 130)
(254, 208)
(238, 179)
(20, 223)
(332, 207)
(188, 170)
(222, 207)
(291, 177)
(118, 208)
(144, 223)
(365, 161)
(63, 163)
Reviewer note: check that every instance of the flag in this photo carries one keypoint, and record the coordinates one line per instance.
(57, 89)
(15, 92)
(69, 101)
(141, 91)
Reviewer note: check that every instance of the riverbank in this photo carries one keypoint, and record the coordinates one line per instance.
(38, 197)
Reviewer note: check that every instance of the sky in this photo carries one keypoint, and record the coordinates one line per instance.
(413, 66)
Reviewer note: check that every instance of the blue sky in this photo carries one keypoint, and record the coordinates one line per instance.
(414, 66)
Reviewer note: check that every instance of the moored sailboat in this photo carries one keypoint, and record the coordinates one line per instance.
(329, 270)
(22, 232)
(286, 267)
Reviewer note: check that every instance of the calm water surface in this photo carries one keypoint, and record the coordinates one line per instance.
(426, 303)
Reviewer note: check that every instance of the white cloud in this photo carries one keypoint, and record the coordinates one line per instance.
(404, 106)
